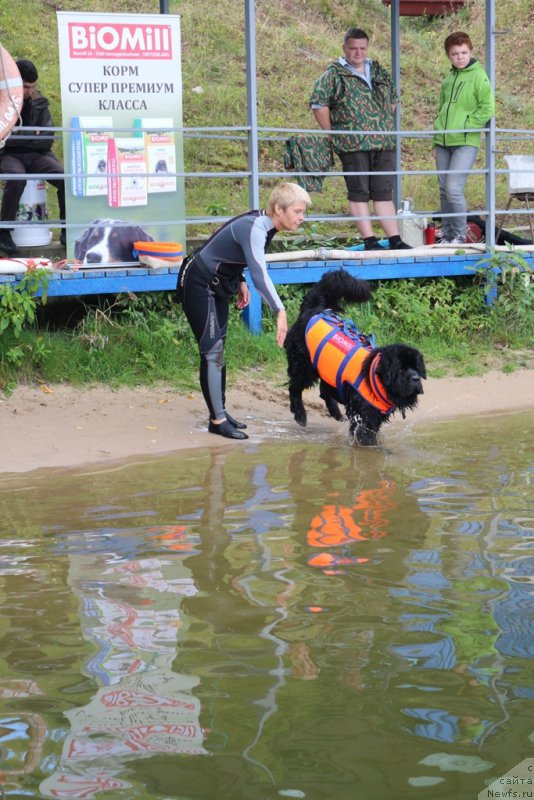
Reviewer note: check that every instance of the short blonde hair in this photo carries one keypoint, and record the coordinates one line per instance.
(285, 195)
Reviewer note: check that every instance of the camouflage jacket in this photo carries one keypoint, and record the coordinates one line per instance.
(355, 107)
(309, 154)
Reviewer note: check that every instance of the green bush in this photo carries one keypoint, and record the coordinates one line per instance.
(437, 308)
(18, 302)
(508, 281)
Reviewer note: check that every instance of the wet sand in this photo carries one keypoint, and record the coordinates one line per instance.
(63, 427)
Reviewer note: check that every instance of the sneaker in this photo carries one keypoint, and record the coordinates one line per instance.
(396, 243)
(6, 242)
(374, 246)
(457, 240)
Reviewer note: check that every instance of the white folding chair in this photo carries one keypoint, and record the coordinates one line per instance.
(520, 185)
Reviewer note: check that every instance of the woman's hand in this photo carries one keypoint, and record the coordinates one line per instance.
(281, 327)
(243, 296)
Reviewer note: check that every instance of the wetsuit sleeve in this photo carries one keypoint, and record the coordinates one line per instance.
(253, 246)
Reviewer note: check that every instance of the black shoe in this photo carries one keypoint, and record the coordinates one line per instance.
(63, 238)
(371, 243)
(6, 243)
(396, 243)
(239, 425)
(227, 430)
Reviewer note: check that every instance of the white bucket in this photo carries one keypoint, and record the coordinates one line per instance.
(32, 208)
(411, 225)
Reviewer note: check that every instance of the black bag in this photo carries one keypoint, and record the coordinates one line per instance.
(225, 285)
(222, 284)
(505, 237)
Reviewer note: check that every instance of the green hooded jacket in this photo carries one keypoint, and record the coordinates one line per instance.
(354, 107)
(465, 102)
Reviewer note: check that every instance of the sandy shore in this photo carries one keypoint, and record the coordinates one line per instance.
(63, 427)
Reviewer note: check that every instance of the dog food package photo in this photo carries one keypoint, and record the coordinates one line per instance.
(127, 172)
(160, 148)
(108, 241)
(89, 155)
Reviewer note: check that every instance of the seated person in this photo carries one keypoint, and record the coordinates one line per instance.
(30, 152)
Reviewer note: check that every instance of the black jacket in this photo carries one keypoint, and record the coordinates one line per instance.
(34, 114)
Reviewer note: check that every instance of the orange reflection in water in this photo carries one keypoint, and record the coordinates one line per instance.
(337, 527)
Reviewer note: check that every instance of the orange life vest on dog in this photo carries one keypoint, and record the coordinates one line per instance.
(337, 351)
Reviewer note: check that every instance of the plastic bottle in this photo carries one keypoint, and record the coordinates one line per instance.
(430, 233)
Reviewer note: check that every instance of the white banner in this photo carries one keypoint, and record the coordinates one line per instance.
(121, 95)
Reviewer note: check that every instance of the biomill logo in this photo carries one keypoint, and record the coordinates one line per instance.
(518, 783)
(114, 40)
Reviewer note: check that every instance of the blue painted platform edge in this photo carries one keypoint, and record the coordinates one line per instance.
(120, 280)
(436, 266)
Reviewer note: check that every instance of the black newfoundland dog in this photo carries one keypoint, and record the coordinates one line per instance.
(371, 382)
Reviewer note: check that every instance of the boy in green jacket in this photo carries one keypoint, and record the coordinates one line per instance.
(465, 104)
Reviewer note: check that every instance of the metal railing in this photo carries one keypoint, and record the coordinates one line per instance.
(253, 139)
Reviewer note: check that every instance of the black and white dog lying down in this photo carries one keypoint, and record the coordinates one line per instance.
(108, 241)
(371, 382)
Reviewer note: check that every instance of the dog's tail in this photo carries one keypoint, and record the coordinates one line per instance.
(332, 288)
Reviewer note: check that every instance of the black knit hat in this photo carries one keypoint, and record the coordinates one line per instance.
(28, 70)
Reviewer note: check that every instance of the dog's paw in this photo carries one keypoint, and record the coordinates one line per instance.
(364, 439)
(301, 418)
(297, 409)
(336, 413)
(362, 435)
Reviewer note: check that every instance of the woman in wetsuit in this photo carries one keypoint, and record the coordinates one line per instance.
(215, 272)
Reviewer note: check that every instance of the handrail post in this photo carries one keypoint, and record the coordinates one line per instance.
(395, 69)
(490, 135)
(252, 106)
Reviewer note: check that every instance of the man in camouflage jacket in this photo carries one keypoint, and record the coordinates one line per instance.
(357, 94)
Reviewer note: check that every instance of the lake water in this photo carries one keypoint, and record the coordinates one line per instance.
(289, 619)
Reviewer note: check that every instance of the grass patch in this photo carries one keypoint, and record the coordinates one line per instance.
(142, 340)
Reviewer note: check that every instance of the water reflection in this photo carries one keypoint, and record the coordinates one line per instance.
(321, 621)
(130, 613)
